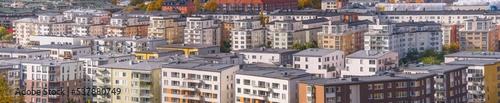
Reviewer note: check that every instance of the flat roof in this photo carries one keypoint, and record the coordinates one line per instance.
(474, 62)
(368, 79)
(16, 50)
(61, 46)
(158, 51)
(42, 61)
(266, 50)
(219, 55)
(273, 72)
(315, 52)
(187, 46)
(435, 68)
(466, 54)
(104, 56)
(145, 65)
(211, 67)
(442, 12)
(368, 54)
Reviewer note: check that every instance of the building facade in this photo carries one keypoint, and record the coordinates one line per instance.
(169, 27)
(123, 26)
(192, 49)
(479, 34)
(201, 30)
(280, 57)
(23, 29)
(369, 62)
(347, 37)
(247, 34)
(322, 63)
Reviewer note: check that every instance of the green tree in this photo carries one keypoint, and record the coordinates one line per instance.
(311, 45)
(226, 46)
(3, 31)
(451, 48)
(8, 37)
(211, 6)
(197, 5)
(7, 93)
(298, 46)
(410, 56)
(128, 9)
(431, 60)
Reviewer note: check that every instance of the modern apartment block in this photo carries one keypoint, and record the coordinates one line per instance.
(257, 5)
(247, 34)
(38, 74)
(192, 49)
(479, 34)
(224, 58)
(73, 13)
(322, 63)
(482, 79)
(347, 37)
(268, 84)
(280, 57)
(8, 15)
(170, 27)
(23, 29)
(201, 30)
(184, 6)
(300, 15)
(64, 51)
(451, 82)
(19, 52)
(36, 40)
(467, 55)
(228, 19)
(125, 45)
(391, 88)
(88, 25)
(446, 17)
(333, 4)
(369, 62)
(404, 37)
(124, 26)
(284, 34)
(451, 33)
(195, 82)
(51, 24)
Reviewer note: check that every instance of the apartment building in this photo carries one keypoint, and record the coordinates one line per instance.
(144, 14)
(300, 15)
(23, 29)
(8, 15)
(369, 62)
(195, 82)
(201, 30)
(450, 81)
(88, 25)
(228, 20)
(247, 34)
(481, 83)
(36, 40)
(333, 4)
(151, 54)
(467, 55)
(224, 58)
(184, 6)
(446, 17)
(124, 26)
(281, 57)
(51, 24)
(268, 84)
(38, 74)
(451, 33)
(11, 74)
(347, 37)
(403, 88)
(73, 13)
(125, 45)
(257, 5)
(64, 51)
(192, 49)
(404, 37)
(19, 52)
(479, 34)
(284, 34)
(170, 27)
(322, 63)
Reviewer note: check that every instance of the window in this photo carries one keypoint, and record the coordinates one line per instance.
(165, 74)
(372, 62)
(237, 81)
(378, 96)
(400, 94)
(361, 69)
(285, 87)
(372, 69)
(118, 97)
(378, 86)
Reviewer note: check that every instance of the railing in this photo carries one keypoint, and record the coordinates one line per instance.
(145, 87)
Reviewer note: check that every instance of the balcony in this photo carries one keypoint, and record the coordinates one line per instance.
(145, 87)
(194, 97)
(102, 76)
(66, 56)
(96, 99)
(146, 95)
(145, 79)
(192, 79)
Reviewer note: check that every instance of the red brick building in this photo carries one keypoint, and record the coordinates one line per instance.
(184, 6)
(257, 5)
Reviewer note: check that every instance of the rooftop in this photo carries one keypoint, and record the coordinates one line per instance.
(104, 57)
(435, 68)
(211, 67)
(303, 12)
(60, 46)
(404, 24)
(368, 79)
(273, 72)
(129, 39)
(318, 20)
(157, 51)
(42, 61)
(225, 13)
(88, 11)
(219, 55)
(315, 52)
(447, 12)
(474, 62)
(134, 65)
(466, 54)
(368, 54)
(187, 46)
(27, 20)
(266, 50)
(20, 50)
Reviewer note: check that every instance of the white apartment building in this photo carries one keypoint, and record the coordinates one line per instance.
(92, 62)
(58, 39)
(280, 57)
(268, 84)
(87, 25)
(322, 63)
(51, 24)
(200, 30)
(73, 13)
(284, 33)
(64, 51)
(228, 16)
(23, 29)
(124, 26)
(125, 45)
(368, 62)
(300, 15)
(225, 58)
(467, 55)
(19, 52)
(443, 17)
(404, 37)
(333, 4)
(247, 34)
(197, 82)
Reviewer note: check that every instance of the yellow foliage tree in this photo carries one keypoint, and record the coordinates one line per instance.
(451, 48)
(150, 7)
(303, 4)
(128, 9)
(7, 93)
(316, 4)
(158, 4)
(197, 5)
(211, 6)
(139, 5)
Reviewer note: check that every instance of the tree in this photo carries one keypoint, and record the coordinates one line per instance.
(128, 9)
(226, 46)
(311, 45)
(71, 101)
(451, 48)
(411, 56)
(431, 60)
(158, 4)
(3, 31)
(298, 46)
(135, 2)
(114, 1)
(7, 93)
(315, 4)
(8, 37)
(303, 4)
(150, 7)
(197, 5)
(211, 6)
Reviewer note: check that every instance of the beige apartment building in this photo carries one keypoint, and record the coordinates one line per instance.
(23, 29)
(51, 24)
(123, 26)
(169, 27)
(201, 30)
(347, 37)
(88, 25)
(479, 35)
